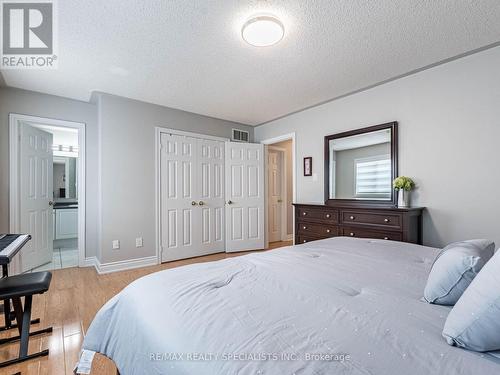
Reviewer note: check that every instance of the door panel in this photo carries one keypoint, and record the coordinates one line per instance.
(36, 182)
(172, 228)
(253, 222)
(187, 225)
(253, 181)
(219, 224)
(245, 196)
(236, 178)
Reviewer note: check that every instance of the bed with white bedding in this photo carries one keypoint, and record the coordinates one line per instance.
(283, 312)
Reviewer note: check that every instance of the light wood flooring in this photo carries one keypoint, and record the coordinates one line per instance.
(75, 296)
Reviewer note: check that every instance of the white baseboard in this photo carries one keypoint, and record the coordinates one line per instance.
(123, 265)
(89, 262)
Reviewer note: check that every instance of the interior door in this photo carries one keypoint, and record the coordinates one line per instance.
(36, 195)
(275, 199)
(179, 219)
(244, 196)
(210, 195)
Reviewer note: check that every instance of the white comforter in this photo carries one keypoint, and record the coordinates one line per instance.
(356, 300)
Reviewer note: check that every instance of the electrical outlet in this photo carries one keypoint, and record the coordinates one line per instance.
(138, 242)
(116, 244)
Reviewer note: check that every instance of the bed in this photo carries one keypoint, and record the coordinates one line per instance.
(335, 306)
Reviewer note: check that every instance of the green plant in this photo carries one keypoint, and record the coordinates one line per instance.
(403, 183)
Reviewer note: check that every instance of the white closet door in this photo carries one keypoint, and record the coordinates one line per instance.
(192, 196)
(244, 196)
(180, 219)
(36, 208)
(210, 193)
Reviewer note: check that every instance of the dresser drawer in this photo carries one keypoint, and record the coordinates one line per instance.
(318, 214)
(366, 233)
(305, 238)
(319, 230)
(372, 218)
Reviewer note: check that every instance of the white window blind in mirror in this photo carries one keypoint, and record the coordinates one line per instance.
(373, 177)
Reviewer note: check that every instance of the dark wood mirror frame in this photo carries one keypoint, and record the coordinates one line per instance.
(394, 166)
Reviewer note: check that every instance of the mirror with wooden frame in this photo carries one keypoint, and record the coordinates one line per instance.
(360, 166)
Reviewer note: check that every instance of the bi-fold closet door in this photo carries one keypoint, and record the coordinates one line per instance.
(192, 196)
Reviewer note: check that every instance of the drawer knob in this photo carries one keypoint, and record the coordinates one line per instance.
(328, 231)
(304, 213)
(352, 217)
(351, 234)
(327, 216)
(386, 238)
(386, 220)
(304, 241)
(304, 227)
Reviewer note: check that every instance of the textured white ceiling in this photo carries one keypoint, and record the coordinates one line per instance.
(188, 54)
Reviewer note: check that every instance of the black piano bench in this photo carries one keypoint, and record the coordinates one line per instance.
(13, 288)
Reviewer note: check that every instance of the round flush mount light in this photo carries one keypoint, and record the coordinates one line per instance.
(262, 31)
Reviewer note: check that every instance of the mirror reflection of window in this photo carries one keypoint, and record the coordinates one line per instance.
(373, 177)
(360, 166)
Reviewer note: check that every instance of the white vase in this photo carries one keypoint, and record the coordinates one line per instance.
(403, 198)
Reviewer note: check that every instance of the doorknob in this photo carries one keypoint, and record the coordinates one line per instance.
(193, 203)
(201, 203)
(230, 202)
(51, 203)
(280, 200)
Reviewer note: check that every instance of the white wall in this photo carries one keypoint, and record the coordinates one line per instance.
(127, 136)
(449, 136)
(42, 105)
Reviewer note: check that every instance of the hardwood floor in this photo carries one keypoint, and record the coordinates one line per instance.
(75, 296)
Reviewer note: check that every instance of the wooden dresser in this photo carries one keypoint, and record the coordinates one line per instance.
(316, 221)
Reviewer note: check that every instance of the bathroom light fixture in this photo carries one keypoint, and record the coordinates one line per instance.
(262, 31)
(65, 148)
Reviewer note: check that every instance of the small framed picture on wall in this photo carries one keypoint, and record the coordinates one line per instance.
(308, 166)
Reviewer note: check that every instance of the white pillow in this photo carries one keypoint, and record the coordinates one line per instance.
(454, 269)
(474, 322)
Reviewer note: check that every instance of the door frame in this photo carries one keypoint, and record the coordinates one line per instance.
(14, 217)
(159, 130)
(270, 141)
(284, 197)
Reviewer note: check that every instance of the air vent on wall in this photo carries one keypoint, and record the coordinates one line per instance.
(240, 135)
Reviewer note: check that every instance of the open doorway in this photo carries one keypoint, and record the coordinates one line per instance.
(280, 192)
(47, 192)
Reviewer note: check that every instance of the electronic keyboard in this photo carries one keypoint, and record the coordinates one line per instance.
(10, 244)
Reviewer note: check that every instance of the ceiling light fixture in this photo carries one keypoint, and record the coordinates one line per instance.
(262, 31)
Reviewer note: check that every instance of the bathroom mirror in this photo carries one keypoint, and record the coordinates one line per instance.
(65, 177)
